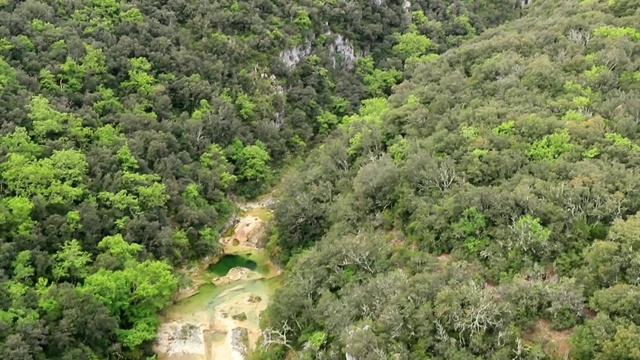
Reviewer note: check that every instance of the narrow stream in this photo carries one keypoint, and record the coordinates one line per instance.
(227, 306)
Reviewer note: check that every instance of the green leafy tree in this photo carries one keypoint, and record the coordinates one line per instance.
(71, 261)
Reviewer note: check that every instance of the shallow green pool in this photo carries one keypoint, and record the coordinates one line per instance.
(228, 262)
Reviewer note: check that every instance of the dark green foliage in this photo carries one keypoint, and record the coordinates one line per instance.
(128, 127)
(490, 199)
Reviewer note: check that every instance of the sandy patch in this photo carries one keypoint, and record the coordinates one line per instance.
(558, 341)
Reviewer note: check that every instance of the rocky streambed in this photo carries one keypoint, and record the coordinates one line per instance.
(218, 317)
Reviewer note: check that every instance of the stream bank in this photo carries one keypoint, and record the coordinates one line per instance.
(217, 317)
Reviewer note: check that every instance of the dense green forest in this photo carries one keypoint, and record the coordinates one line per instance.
(470, 172)
(130, 127)
(486, 209)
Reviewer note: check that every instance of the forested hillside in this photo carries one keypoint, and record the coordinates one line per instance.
(487, 209)
(128, 128)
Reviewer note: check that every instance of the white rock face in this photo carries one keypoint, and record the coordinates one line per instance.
(238, 340)
(343, 53)
(291, 57)
(340, 48)
(178, 338)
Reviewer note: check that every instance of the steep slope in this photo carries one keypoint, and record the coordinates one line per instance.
(488, 204)
(129, 126)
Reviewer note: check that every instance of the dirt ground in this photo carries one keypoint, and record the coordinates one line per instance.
(555, 340)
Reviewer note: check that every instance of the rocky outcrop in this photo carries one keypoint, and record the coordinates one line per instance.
(343, 53)
(178, 338)
(341, 50)
(235, 274)
(239, 342)
(292, 56)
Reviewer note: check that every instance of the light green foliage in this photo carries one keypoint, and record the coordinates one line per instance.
(7, 74)
(339, 104)
(208, 235)
(117, 247)
(121, 200)
(132, 15)
(47, 80)
(22, 269)
(180, 241)
(317, 339)
(619, 140)
(413, 100)
(15, 215)
(152, 196)
(107, 135)
(327, 121)
(59, 46)
(411, 44)
(371, 111)
(479, 152)
(94, 62)
(73, 220)
(140, 80)
(530, 236)
(49, 123)
(40, 25)
(462, 23)
(19, 142)
(26, 42)
(99, 14)
(126, 158)
(235, 7)
(58, 179)
(134, 294)
(214, 159)
(192, 197)
(399, 150)
(70, 261)
(550, 147)
(246, 107)
(202, 109)
(354, 144)
(469, 132)
(573, 115)
(213, 156)
(470, 230)
(595, 71)
(71, 76)
(5, 44)
(365, 65)
(591, 153)
(578, 90)
(108, 101)
(506, 128)
(617, 32)
(379, 82)
(302, 19)
(581, 101)
(419, 18)
(254, 163)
